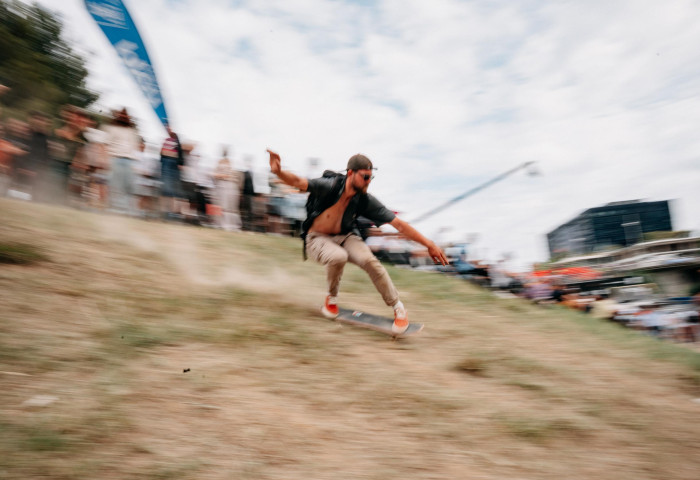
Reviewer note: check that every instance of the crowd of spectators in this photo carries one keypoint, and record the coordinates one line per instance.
(103, 164)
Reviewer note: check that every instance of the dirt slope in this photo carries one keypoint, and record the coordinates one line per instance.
(131, 349)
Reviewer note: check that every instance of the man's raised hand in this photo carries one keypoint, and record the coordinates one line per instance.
(275, 162)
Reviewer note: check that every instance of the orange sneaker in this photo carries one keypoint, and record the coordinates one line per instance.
(330, 308)
(400, 319)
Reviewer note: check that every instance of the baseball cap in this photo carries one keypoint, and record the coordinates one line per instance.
(360, 162)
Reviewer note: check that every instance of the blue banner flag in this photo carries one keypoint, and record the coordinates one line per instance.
(116, 23)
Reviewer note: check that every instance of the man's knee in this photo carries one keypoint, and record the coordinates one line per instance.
(336, 258)
(370, 264)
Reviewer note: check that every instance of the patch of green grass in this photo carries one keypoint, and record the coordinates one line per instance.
(525, 385)
(667, 351)
(653, 348)
(34, 438)
(516, 371)
(518, 307)
(46, 441)
(494, 365)
(136, 336)
(21, 254)
(563, 320)
(10, 353)
(275, 329)
(542, 429)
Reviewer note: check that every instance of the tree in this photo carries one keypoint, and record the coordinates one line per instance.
(40, 68)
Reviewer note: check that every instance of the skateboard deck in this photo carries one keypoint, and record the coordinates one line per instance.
(375, 322)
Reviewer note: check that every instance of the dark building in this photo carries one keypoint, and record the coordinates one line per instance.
(618, 224)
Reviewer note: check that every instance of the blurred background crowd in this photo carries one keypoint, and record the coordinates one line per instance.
(101, 163)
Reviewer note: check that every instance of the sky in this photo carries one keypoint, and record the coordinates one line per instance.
(443, 96)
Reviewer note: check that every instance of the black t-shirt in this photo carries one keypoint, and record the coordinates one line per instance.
(368, 207)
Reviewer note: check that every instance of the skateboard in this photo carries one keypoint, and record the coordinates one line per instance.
(375, 322)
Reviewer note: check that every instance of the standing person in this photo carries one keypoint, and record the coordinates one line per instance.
(228, 181)
(146, 185)
(172, 158)
(18, 135)
(70, 140)
(122, 144)
(189, 173)
(98, 163)
(248, 193)
(331, 236)
(200, 187)
(8, 151)
(37, 160)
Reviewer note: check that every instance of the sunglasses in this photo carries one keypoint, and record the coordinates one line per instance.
(367, 176)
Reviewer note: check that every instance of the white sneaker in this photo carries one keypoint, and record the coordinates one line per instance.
(400, 324)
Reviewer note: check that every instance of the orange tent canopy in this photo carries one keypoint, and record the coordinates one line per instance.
(584, 273)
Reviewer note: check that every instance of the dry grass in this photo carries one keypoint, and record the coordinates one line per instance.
(149, 350)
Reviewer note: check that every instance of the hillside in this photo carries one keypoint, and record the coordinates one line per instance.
(132, 349)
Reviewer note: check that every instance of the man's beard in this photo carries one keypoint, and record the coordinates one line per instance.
(361, 188)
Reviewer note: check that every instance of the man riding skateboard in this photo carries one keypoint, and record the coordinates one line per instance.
(331, 236)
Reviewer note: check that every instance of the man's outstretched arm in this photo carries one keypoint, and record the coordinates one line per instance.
(289, 178)
(407, 230)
